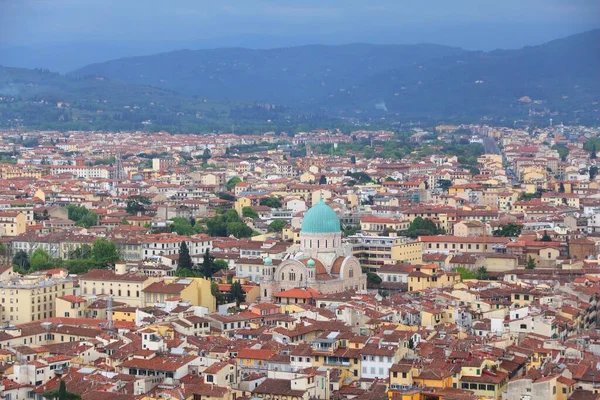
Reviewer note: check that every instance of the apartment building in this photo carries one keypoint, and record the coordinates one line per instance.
(12, 223)
(31, 298)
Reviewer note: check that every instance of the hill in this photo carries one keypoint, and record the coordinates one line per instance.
(559, 78)
(290, 76)
(41, 99)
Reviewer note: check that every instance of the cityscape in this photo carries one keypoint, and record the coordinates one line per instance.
(291, 213)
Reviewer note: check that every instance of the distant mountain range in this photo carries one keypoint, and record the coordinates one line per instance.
(395, 80)
(559, 79)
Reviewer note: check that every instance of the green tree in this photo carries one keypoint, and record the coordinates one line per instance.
(530, 263)
(350, 230)
(208, 265)
(322, 180)
(232, 182)
(61, 393)
(563, 151)
(236, 293)
(248, 212)
(411, 343)
(137, 204)
(466, 273)
(226, 196)
(373, 278)
(593, 172)
(482, 274)
(546, 237)
(270, 201)
(62, 390)
(277, 225)
(220, 298)
(206, 155)
(444, 184)
(105, 252)
(353, 159)
(91, 219)
(220, 264)
(422, 226)
(40, 260)
(593, 151)
(238, 229)
(185, 260)
(561, 188)
(509, 230)
(21, 261)
(182, 226)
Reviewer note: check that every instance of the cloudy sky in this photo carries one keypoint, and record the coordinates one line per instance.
(474, 24)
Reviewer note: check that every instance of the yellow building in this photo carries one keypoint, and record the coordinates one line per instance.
(484, 379)
(430, 276)
(12, 223)
(31, 298)
(124, 287)
(70, 306)
(195, 290)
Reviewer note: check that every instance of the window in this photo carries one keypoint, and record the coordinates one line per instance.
(553, 389)
(517, 296)
(490, 388)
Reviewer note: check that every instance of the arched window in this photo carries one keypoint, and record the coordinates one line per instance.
(351, 273)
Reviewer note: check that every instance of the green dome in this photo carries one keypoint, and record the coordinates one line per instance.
(321, 219)
(310, 263)
(268, 261)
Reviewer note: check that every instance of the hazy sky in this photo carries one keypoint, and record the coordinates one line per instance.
(483, 24)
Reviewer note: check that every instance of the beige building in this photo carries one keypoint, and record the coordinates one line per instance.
(31, 298)
(12, 223)
(123, 286)
(468, 228)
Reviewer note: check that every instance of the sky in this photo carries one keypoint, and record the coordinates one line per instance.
(145, 26)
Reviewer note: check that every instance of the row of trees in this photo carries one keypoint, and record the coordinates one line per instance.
(100, 254)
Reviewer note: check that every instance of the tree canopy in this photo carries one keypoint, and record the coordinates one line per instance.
(236, 293)
(40, 260)
(137, 204)
(248, 212)
(227, 224)
(509, 230)
(105, 252)
(421, 227)
(277, 225)
(270, 201)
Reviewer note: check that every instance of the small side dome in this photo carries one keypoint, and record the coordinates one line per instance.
(310, 263)
(268, 261)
